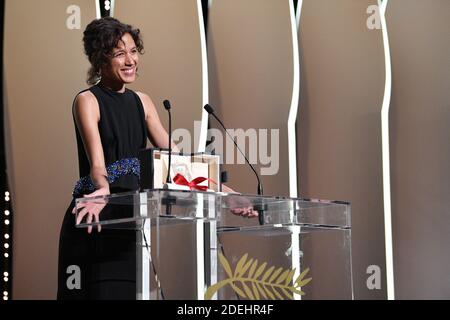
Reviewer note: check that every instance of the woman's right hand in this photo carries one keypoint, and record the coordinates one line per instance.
(91, 209)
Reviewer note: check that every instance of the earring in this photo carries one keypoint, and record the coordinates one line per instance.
(98, 77)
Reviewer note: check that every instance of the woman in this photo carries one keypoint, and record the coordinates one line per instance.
(112, 124)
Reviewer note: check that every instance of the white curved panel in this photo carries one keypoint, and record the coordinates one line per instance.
(298, 12)
(292, 118)
(205, 87)
(339, 123)
(98, 12)
(385, 154)
(251, 81)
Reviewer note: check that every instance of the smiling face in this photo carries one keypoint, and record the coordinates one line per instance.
(122, 66)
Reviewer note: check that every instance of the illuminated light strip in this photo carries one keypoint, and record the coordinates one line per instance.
(385, 154)
(205, 88)
(292, 118)
(6, 246)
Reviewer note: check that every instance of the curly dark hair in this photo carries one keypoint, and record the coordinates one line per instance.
(100, 38)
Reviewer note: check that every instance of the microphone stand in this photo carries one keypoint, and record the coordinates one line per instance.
(260, 207)
(169, 200)
(167, 107)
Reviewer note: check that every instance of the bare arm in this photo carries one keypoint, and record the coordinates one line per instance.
(157, 134)
(87, 115)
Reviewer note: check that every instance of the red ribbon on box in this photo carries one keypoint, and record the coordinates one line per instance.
(193, 184)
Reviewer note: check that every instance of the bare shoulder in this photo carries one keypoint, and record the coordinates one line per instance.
(85, 97)
(145, 98)
(86, 104)
(147, 102)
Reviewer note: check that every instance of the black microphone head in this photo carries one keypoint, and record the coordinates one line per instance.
(224, 177)
(208, 109)
(166, 104)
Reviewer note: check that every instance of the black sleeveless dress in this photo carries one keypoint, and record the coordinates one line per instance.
(105, 261)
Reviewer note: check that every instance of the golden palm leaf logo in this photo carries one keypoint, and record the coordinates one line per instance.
(257, 282)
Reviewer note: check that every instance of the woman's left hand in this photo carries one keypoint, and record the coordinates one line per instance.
(248, 212)
(240, 206)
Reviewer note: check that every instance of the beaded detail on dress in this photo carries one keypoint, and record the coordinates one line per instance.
(114, 171)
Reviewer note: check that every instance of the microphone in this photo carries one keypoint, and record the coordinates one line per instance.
(166, 104)
(210, 110)
(169, 200)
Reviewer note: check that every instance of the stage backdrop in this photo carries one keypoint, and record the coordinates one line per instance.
(420, 148)
(251, 73)
(251, 64)
(44, 69)
(339, 123)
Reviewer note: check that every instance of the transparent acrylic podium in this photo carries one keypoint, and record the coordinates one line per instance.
(189, 245)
